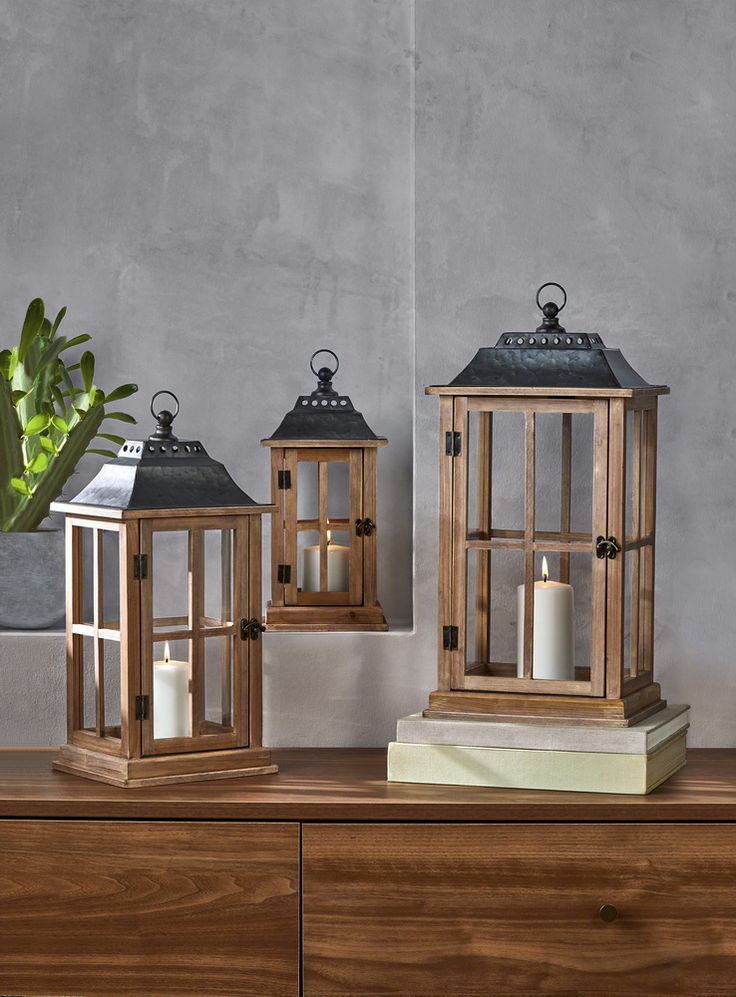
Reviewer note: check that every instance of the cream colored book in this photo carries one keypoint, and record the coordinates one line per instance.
(640, 739)
(523, 768)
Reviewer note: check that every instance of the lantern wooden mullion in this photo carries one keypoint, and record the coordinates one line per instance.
(582, 379)
(211, 738)
(324, 429)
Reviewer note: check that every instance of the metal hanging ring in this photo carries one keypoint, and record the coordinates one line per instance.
(332, 354)
(164, 392)
(551, 283)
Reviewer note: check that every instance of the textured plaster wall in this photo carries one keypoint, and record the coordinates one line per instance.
(218, 188)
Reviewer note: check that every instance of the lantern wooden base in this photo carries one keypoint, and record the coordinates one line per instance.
(163, 769)
(582, 710)
(348, 619)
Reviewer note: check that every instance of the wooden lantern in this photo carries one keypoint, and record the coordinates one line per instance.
(548, 446)
(324, 536)
(163, 619)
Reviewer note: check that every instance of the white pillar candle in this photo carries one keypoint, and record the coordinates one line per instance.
(338, 559)
(554, 629)
(171, 697)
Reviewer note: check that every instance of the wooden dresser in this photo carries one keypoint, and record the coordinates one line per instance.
(327, 880)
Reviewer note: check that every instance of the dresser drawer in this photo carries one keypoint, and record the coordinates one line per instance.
(515, 909)
(91, 907)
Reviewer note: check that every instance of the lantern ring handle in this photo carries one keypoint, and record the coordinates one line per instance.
(164, 391)
(551, 283)
(332, 354)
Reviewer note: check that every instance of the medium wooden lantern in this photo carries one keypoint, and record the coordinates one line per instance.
(548, 446)
(324, 536)
(163, 619)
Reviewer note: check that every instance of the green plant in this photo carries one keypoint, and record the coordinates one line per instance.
(47, 419)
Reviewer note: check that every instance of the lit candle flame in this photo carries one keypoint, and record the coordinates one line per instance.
(545, 569)
(329, 536)
(167, 652)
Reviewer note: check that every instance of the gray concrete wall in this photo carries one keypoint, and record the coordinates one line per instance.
(216, 189)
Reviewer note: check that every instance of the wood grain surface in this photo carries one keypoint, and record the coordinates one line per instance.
(514, 909)
(148, 909)
(350, 784)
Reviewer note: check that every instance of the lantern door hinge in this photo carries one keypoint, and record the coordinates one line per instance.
(453, 444)
(140, 566)
(251, 629)
(283, 574)
(141, 707)
(284, 479)
(449, 638)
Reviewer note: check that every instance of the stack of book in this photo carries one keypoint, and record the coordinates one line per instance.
(631, 760)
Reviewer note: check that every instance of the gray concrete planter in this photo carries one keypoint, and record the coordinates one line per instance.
(32, 580)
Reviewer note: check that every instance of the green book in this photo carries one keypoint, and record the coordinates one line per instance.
(525, 768)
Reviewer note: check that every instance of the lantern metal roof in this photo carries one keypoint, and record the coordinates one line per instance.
(549, 357)
(324, 417)
(162, 472)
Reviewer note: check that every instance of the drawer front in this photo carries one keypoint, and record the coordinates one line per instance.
(91, 907)
(514, 909)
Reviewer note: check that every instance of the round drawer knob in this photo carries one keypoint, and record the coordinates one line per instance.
(608, 913)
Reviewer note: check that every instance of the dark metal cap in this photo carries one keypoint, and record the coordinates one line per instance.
(324, 415)
(549, 357)
(163, 472)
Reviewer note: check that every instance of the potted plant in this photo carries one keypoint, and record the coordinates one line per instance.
(50, 415)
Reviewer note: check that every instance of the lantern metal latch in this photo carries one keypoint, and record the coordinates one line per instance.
(141, 707)
(284, 480)
(283, 574)
(364, 527)
(607, 547)
(453, 444)
(449, 638)
(140, 566)
(251, 629)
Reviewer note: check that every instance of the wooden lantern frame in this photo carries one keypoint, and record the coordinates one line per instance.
(289, 608)
(119, 502)
(322, 428)
(618, 689)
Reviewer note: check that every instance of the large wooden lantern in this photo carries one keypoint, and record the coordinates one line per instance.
(324, 536)
(548, 446)
(163, 619)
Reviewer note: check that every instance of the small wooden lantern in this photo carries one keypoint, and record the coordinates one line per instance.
(163, 619)
(323, 541)
(548, 446)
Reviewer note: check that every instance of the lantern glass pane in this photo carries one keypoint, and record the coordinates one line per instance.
(307, 542)
(307, 490)
(495, 615)
(169, 573)
(631, 450)
(216, 655)
(493, 577)
(338, 561)
(218, 578)
(110, 607)
(338, 494)
(643, 606)
(581, 581)
(563, 474)
(562, 617)
(110, 650)
(581, 472)
(507, 468)
(171, 699)
(88, 683)
(637, 572)
(88, 582)
(337, 553)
